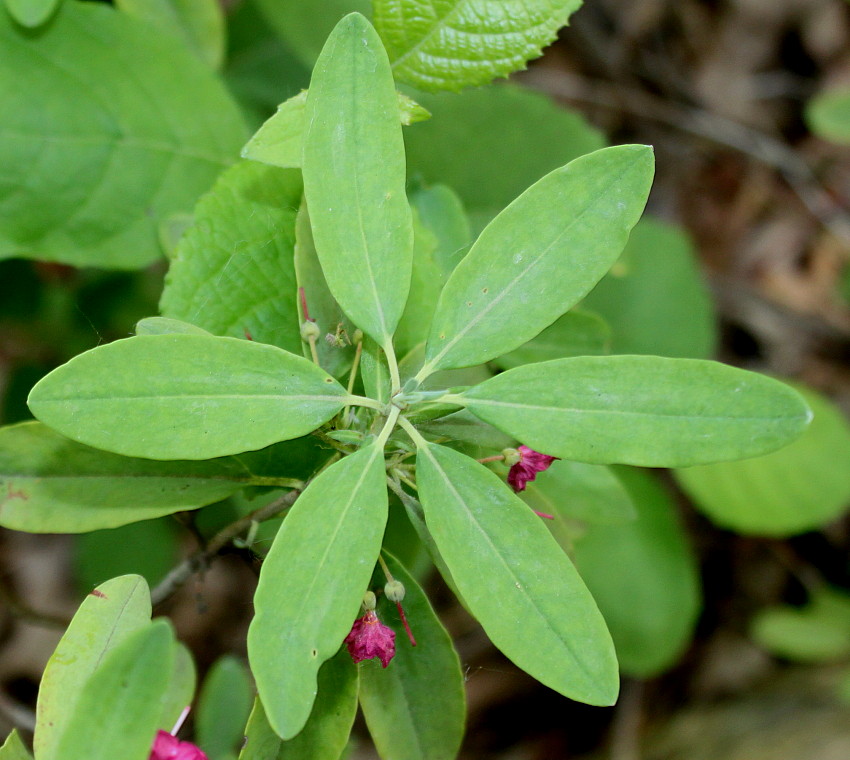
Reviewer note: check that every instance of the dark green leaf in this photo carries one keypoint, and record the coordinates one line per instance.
(223, 708)
(643, 575)
(89, 184)
(354, 179)
(515, 579)
(530, 265)
(797, 489)
(233, 272)
(312, 583)
(441, 211)
(642, 410)
(185, 396)
(415, 708)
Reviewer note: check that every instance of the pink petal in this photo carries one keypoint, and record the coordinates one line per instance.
(369, 638)
(168, 747)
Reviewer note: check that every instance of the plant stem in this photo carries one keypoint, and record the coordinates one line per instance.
(412, 432)
(355, 365)
(392, 363)
(389, 425)
(385, 568)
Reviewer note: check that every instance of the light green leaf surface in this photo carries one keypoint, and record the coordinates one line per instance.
(223, 708)
(531, 265)
(354, 179)
(31, 13)
(120, 703)
(166, 326)
(304, 25)
(515, 579)
(415, 707)
(590, 493)
(185, 396)
(312, 583)
(51, 484)
(199, 24)
(641, 410)
(233, 270)
(325, 735)
(321, 305)
(280, 141)
(799, 488)
(452, 44)
(374, 372)
(527, 131)
(643, 575)
(88, 182)
(181, 687)
(657, 284)
(577, 333)
(13, 748)
(828, 115)
(105, 619)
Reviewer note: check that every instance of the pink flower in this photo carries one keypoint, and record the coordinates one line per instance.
(530, 463)
(369, 638)
(168, 747)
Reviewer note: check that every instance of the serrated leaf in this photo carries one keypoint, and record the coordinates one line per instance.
(305, 24)
(233, 271)
(530, 265)
(452, 44)
(105, 619)
(773, 495)
(54, 485)
(828, 115)
(89, 185)
(641, 410)
(223, 708)
(322, 307)
(576, 491)
(31, 13)
(280, 141)
(199, 24)
(415, 708)
(354, 179)
(312, 583)
(529, 132)
(325, 735)
(515, 579)
(13, 748)
(643, 575)
(185, 396)
(577, 333)
(119, 705)
(655, 284)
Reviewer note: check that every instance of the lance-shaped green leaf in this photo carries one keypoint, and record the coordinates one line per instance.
(773, 495)
(185, 396)
(106, 618)
(223, 707)
(181, 687)
(31, 13)
(577, 333)
(643, 575)
(280, 141)
(415, 708)
(354, 178)
(452, 44)
(50, 484)
(233, 271)
(120, 703)
(641, 410)
(89, 185)
(312, 583)
(199, 24)
(325, 735)
(539, 257)
(13, 748)
(514, 577)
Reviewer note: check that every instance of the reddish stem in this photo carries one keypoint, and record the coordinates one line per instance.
(303, 298)
(543, 514)
(494, 458)
(404, 623)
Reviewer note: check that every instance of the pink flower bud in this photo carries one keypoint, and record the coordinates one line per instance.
(530, 463)
(168, 747)
(369, 638)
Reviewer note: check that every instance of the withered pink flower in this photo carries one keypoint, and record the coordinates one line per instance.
(369, 638)
(169, 747)
(530, 463)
